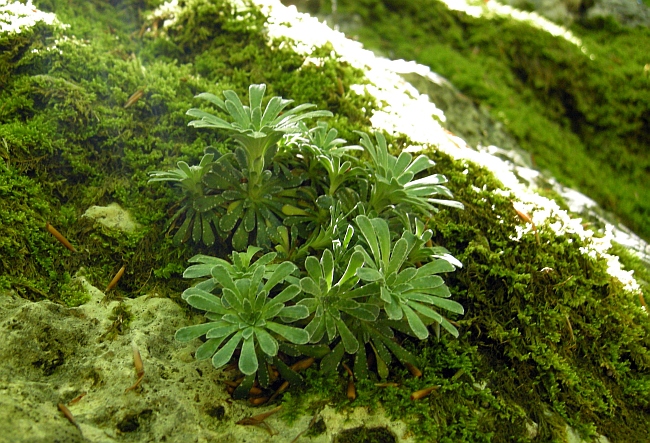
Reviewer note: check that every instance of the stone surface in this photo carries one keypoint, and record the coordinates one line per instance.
(52, 354)
(112, 216)
(565, 12)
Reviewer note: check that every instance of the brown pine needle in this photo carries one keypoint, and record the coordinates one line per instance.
(137, 95)
(423, 392)
(259, 418)
(117, 278)
(302, 364)
(139, 369)
(64, 241)
(415, 372)
(642, 300)
(351, 392)
(63, 408)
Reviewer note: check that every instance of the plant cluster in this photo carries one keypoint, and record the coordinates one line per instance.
(331, 254)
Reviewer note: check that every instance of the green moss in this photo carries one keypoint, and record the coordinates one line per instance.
(121, 317)
(557, 102)
(68, 142)
(363, 434)
(565, 345)
(73, 293)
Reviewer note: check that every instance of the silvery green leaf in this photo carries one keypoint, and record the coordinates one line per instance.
(293, 313)
(287, 294)
(256, 280)
(272, 310)
(308, 286)
(313, 268)
(349, 232)
(420, 164)
(434, 179)
(310, 303)
(207, 120)
(196, 271)
(368, 232)
(365, 312)
(224, 354)
(229, 219)
(402, 354)
(367, 274)
(330, 325)
(256, 118)
(223, 330)
(450, 203)
(447, 304)
(401, 164)
(233, 299)
(426, 311)
(213, 99)
(436, 267)
(441, 291)
(416, 324)
(350, 343)
(393, 310)
(449, 327)
(189, 333)
(280, 273)
(327, 262)
(354, 264)
(383, 237)
(222, 276)
(195, 291)
(294, 335)
(247, 332)
(248, 358)
(316, 329)
(405, 276)
(426, 283)
(330, 362)
(273, 108)
(385, 294)
(207, 349)
(256, 95)
(445, 255)
(398, 256)
(267, 343)
(208, 285)
(240, 238)
(206, 302)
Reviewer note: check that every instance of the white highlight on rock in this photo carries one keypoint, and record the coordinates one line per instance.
(15, 17)
(489, 8)
(405, 110)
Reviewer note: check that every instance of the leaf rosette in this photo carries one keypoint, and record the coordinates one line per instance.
(245, 316)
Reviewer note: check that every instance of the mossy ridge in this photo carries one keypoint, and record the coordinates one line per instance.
(557, 102)
(70, 143)
(549, 337)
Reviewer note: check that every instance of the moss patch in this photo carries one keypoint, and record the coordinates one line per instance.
(558, 103)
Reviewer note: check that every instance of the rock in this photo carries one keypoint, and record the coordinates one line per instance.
(52, 354)
(112, 216)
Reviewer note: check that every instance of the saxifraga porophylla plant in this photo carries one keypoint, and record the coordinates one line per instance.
(353, 264)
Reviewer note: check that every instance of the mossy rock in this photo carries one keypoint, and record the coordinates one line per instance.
(549, 337)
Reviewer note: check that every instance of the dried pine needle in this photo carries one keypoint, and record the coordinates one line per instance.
(117, 278)
(64, 241)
